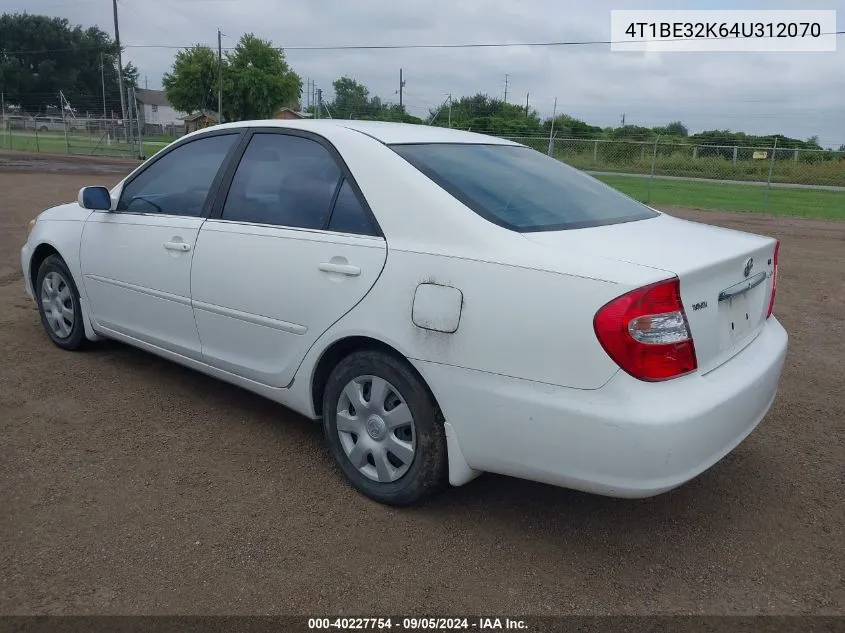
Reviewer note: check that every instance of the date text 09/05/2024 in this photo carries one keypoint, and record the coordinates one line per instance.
(417, 624)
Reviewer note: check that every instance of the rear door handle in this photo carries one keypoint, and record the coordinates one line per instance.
(183, 247)
(342, 269)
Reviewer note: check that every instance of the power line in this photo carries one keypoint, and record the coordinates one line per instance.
(395, 46)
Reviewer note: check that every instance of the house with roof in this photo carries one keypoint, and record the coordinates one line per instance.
(200, 120)
(291, 114)
(154, 109)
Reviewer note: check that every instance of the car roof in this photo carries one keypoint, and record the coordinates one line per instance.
(383, 131)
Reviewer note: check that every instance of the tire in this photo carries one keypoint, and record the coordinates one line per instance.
(43, 128)
(58, 304)
(363, 447)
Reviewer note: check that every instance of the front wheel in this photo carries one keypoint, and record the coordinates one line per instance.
(58, 304)
(384, 429)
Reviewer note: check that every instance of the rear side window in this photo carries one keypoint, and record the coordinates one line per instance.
(521, 189)
(283, 180)
(178, 183)
(348, 215)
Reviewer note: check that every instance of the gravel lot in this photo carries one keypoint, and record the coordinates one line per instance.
(131, 485)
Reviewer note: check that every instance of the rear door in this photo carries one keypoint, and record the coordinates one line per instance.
(289, 249)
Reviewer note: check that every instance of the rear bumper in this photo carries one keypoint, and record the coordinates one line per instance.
(627, 439)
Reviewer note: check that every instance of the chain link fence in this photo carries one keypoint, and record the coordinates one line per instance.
(76, 135)
(664, 172)
(661, 172)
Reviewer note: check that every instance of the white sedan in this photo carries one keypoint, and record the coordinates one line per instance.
(447, 303)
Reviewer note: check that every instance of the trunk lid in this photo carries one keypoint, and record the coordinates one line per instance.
(725, 276)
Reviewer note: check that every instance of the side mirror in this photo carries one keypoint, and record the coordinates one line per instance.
(94, 198)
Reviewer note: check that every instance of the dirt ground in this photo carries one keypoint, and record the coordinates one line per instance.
(129, 485)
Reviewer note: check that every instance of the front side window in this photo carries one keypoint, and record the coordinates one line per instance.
(283, 180)
(178, 183)
(521, 189)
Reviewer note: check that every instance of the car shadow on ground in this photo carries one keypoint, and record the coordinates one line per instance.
(704, 506)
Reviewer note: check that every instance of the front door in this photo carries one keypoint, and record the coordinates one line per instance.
(136, 260)
(294, 249)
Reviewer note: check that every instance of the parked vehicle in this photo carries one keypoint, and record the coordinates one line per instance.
(447, 303)
(57, 124)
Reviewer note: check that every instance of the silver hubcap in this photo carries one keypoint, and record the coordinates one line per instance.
(57, 303)
(376, 428)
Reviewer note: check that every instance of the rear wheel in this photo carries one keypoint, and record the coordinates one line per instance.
(58, 304)
(384, 429)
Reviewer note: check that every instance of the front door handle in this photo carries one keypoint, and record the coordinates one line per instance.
(342, 269)
(182, 247)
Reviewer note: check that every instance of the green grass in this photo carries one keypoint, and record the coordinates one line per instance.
(625, 159)
(55, 143)
(807, 203)
(160, 138)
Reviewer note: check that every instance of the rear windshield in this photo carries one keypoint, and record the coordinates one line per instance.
(521, 189)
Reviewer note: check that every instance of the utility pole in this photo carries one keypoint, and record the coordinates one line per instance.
(62, 101)
(552, 129)
(527, 94)
(401, 85)
(146, 83)
(450, 110)
(623, 119)
(325, 105)
(219, 76)
(120, 71)
(319, 102)
(103, 83)
(506, 88)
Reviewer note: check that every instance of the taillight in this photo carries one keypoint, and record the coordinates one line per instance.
(774, 278)
(646, 333)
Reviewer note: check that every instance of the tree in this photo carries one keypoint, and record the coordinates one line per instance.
(258, 80)
(569, 127)
(191, 85)
(482, 113)
(130, 76)
(352, 99)
(632, 133)
(44, 55)
(676, 128)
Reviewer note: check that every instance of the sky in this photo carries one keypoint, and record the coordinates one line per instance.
(796, 94)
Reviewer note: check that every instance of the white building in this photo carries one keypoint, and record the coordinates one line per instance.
(155, 110)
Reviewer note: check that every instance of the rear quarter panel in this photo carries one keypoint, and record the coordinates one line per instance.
(527, 310)
(530, 324)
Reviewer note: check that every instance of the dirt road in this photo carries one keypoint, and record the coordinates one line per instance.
(131, 485)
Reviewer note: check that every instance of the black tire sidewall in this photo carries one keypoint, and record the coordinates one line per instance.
(429, 470)
(54, 263)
